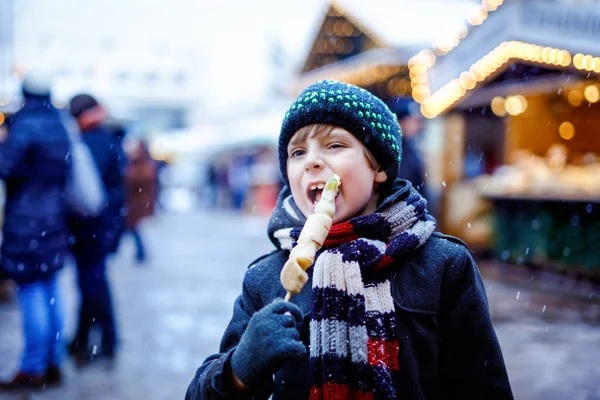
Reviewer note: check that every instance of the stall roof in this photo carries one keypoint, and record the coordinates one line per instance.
(380, 61)
(553, 35)
(408, 22)
(392, 31)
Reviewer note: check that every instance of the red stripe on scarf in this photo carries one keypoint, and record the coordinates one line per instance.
(340, 234)
(334, 391)
(383, 352)
(384, 262)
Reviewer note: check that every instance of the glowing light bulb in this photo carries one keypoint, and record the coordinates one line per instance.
(566, 130)
(575, 98)
(578, 61)
(497, 105)
(592, 94)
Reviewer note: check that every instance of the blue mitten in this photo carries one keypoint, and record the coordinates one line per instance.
(270, 339)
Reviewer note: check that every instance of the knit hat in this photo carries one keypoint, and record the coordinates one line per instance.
(349, 107)
(82, 103)
(36, 83)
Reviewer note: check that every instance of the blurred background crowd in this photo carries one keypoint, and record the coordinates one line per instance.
(180, 104)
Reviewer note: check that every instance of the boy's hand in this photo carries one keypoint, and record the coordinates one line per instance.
(270, 339)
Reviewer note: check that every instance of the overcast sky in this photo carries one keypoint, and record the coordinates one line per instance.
(228, 43)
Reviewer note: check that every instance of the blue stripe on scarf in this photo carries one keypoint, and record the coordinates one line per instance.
(360, 251)
(372, 226)
(347, 308)
(381, 325)
(332, 369)
(403, 243)
(340, 306)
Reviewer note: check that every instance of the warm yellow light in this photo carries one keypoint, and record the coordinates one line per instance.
(402, 86)
(587, 62)
(546, 54)
(515, 105)
(522, 103)
(592, 94)
(467, 80)
(428, 58)
(575, 98)
(421, 90)
(419, 80)
(537, 54)
(553, 56)
(418, 68)
(564, 58)
(513, 48)
(338, 28)
(477, 73)
(2, 118)
(489, 5)
(497, 105)
(596, 64)
(348, 29)
(448, 43)
(426, 112)
(521, 50)
(566, 130)
(578, 61)
(477, 15)
(419, 98)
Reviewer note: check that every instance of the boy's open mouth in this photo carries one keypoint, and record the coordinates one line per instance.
(314, 191)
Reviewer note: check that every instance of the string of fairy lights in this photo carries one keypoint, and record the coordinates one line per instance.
(433, 104)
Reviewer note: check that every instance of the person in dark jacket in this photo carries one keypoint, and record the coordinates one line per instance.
(95, 238)
(412, 167)
(389, 309)
(34, 165)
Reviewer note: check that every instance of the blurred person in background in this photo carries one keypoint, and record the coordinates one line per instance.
(238, 180)
(412, 167)
(34, 166)
(118, 130)
(211, 185)
(6, 285)
(161, 167)
(141, 184)
(96, 237)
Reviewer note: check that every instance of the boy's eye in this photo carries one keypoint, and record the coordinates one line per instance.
(297, 153)
(335, 145)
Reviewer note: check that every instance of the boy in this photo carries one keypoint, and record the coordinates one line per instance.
(390, 310)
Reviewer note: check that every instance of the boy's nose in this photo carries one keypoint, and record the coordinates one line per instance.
(313, 161)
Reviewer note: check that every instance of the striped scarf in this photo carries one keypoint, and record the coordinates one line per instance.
(353, 344)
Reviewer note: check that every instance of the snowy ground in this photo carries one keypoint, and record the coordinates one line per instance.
(172, 311)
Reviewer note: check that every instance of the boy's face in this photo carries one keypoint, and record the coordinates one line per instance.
(312, 161)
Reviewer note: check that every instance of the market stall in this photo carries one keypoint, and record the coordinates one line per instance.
(519, 96)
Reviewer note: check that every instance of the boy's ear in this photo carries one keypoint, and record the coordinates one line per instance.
(380, 175)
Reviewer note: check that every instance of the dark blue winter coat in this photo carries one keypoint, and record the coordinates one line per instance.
(34, 166)
(96, 237)
(448, 347)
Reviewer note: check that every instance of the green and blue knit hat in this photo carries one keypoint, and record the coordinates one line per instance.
(352, 108)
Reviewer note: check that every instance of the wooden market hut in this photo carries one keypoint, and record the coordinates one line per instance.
(524, 80)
